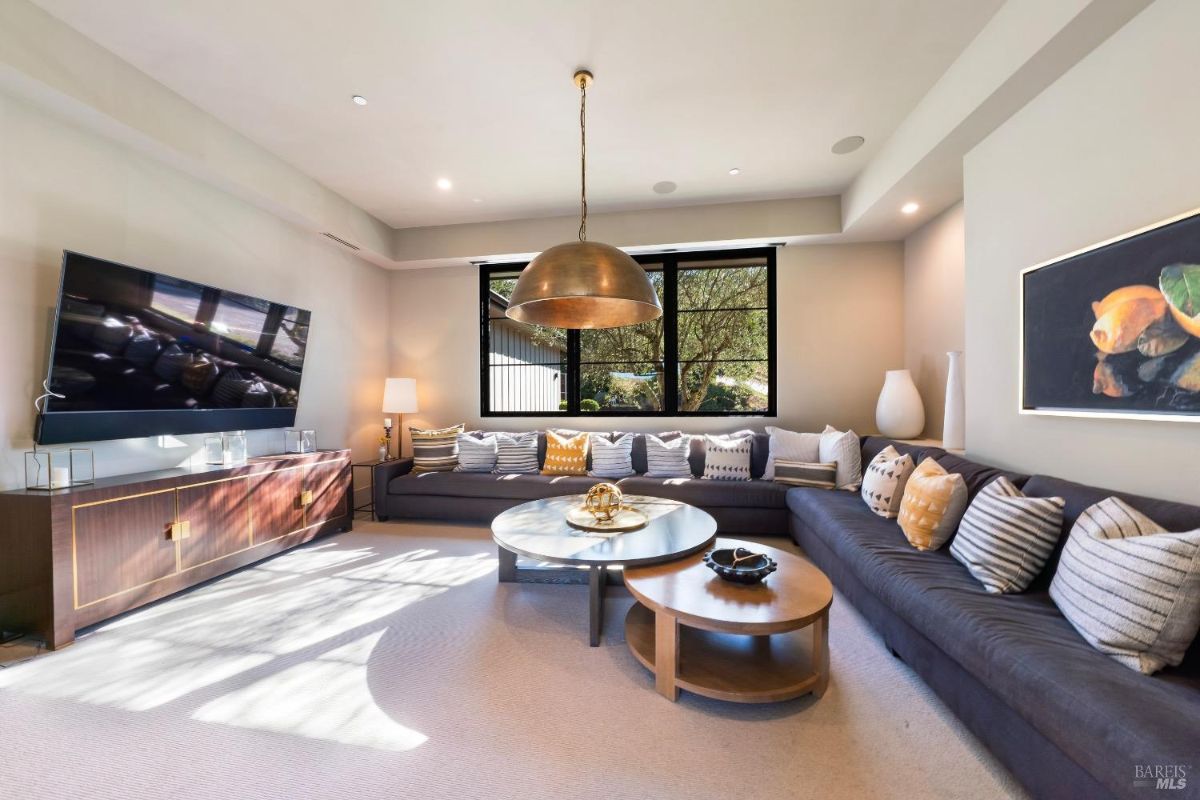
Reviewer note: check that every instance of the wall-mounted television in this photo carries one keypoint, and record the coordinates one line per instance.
(140, 353)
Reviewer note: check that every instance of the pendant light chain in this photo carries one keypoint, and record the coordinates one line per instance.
(583, 161)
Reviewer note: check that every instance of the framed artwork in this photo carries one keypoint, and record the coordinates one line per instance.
(1113, 330)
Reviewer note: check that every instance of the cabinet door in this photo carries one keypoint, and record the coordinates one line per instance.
(218, 518)
(122, 544)
(275, 500)
(328, 482)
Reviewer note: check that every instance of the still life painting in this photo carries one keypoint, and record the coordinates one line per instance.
(1115, 329)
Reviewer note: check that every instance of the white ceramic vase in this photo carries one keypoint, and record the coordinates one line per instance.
(899, 414)
(954, 426)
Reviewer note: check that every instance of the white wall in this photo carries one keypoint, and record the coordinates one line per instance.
(1108, 148)
(934, 271)
(62, 187)
(840, 326)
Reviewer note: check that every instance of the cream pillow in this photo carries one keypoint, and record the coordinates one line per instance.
(884, 479)
(790, 446)
(934, 502)
(842, 448)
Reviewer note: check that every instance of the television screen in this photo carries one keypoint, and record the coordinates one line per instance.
(139, 353)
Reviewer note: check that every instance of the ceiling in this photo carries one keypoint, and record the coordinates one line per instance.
(480, 92)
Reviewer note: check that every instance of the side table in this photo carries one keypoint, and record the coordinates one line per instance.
(369, 466)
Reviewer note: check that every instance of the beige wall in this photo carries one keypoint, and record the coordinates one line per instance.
(934, 269)
(62, 187)
(840, 326)
(1108, 148)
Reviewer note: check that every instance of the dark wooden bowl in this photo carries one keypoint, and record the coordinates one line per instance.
(747, 570)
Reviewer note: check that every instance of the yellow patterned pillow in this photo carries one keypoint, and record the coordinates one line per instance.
(566, 455)
(934, 502)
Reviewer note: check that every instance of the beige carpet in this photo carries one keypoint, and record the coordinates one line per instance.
(388, 663)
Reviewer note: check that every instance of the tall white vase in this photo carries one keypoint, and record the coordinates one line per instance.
(899, 414)
(954, 426)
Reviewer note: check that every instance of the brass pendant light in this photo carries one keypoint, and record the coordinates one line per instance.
(583, 284)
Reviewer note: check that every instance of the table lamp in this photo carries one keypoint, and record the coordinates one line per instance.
(399, 397)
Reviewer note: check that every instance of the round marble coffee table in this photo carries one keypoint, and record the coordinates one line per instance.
(538, 530)
(730, 641)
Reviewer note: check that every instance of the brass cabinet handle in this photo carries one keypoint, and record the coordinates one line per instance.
(306, 497)
(179, 530)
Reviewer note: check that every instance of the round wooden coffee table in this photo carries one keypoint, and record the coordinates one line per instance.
(538, 530)
(730, 641)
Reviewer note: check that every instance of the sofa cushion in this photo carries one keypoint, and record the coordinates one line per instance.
(517, 486)
(704, 493)
(977, 475)
(1017, 645)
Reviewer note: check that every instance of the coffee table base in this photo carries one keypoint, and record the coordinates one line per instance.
(728, 666)
(596, 577)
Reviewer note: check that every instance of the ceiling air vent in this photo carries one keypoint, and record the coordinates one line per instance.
(340, 241)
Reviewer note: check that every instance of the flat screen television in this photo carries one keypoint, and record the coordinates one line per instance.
(139, 353)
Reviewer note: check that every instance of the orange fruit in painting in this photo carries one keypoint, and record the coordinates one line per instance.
(1124, 315)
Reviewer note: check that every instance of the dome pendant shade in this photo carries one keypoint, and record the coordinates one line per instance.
(584, 285)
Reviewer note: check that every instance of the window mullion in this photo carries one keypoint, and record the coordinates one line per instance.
(670, 336)
(574, 374)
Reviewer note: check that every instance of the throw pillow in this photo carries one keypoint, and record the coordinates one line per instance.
(1129, 587)
(668, 458)
(727, 458)
(1005, 538)
(884, 480)
(842, 448)
(612, 459)
(791, 446)
(476, 454)
(516, 453)
(806, 473)
(566, 454)
(436, 449)
(934, 502)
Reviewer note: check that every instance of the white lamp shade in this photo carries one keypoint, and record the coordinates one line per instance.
(400, 396)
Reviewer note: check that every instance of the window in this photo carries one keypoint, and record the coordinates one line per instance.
(711, 353)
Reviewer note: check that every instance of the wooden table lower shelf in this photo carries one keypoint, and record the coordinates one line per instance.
(728, 666)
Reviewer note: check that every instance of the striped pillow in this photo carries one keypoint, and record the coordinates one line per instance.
(806, 473)
(435, 450)
(566, 453)
(1130, 588)
(790, 446)
(612, 459)
(516, 453)
(668, 459)
(727, 458)
(1005, 538)
(476, 454)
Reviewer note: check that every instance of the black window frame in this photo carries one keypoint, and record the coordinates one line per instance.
(669, 262)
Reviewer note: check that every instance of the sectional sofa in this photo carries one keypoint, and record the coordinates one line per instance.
(1067, 720)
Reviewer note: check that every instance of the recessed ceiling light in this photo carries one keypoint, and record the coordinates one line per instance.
(359, 100)
(735, 171)
(444, 184)
(664, 187)
(909, 208)
(848, 145)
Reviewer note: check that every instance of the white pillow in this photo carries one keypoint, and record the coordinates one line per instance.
(727, 458)
(476, 454)
(790, 446)
(668, 459)
(884, 479)
(1005, 538)
(842, 448)
(1129, 587)
(611, 459)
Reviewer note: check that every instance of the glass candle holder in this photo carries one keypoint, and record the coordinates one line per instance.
(299, 441)
(233, 448)
(214, 451)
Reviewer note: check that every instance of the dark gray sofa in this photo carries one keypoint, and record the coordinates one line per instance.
(1068, 721)
(754, 506)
